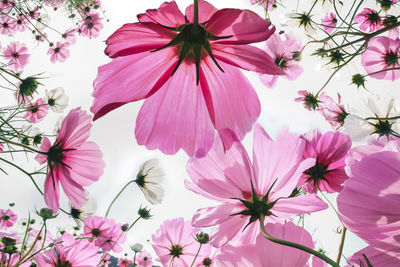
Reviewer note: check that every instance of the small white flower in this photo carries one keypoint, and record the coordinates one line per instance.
(42, 21)
(88, 209)
(137, 247)
(149, 181)
(30, 135)
(56, 99)
(57, 126)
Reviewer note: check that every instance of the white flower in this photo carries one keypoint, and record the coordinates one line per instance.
(30, 135)
(149, 181)
(88, 209)
(56, 99)
(57, 126)
(378, 116)
(137, 247)
(42, 21)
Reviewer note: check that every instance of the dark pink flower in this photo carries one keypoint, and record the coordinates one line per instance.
(17, 54)
(381, 54)
(329, 151)
(36, 111)
(90, 26)
(71, 159)
(59, 52)
(21, 23)
(70, 252)
(7, 25)
(329, 22)
(369, 18)
(7, 218)
(229, 177)
(175, 241)
(1, 147)
(283, 54)
(368, 203)
(144, 259)
(334, 113)
(124, 262)
(309, 100)
(161, 44)
(6, 5)
(34, 13)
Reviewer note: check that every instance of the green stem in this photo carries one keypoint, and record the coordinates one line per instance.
(341, 245)
(134, 259)
(197, 254)
(115, 198)
(10, 73)
(295, 245)
(196, 12)
(330, 204)
(21, 145)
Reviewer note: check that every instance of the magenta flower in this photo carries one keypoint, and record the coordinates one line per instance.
(59, 53)
(71, 253)
(17, 54)
(309, 100)
(334, 113)
(369, 18)
(6, 6)
(7, 25)
(21, 23)
(329, 151)
(144, 259)
(329, 22)
(244, 188)
(368, 203)
(69, 36)
(71, 159)
(1, 147)
(35, 112)
(162, 53)
(283, 52)
(382, 54)
(7, 218)
(90, 26)
(124, 262)
(268, 254)
(175, 241)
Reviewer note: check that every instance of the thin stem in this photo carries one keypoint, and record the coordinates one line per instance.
(295, 245)
(379, 71)
(341, 245)
(196, 12)
(197, 254)
(115, 198)
(21, 145)
(34, 243)
(312, 7)
(330, 204)
(10, 73)
(134, 259)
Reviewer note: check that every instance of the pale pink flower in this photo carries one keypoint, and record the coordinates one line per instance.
(145, 56)
(34, 13)
(17, 54)
(59, 52)
(105, 262)
(54, 3)
(21, 23)
(309, 100)
(90, 26)
(334, 113)
(329, 151)
(368, 203)
(124, 262)
(69, 36)
(265, 253)
(381, 54)
(282, 52)
(264, 3)
(369, 18)
(378, 254)
(7, 218)
(72, 160)
(15, 258)
(175, 241)
(71, 253)
(6, 5)
(39, 237)
(329, 22)
(7, 25)
(229, 177)
(36, 111)
(144, 259)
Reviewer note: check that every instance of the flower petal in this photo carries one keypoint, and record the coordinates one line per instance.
(215, 215)
(206, 10)
(168, 14)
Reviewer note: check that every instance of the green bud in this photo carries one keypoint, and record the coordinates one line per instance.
(358, 80)
(202, 238)
(144, 213)
(46, 214)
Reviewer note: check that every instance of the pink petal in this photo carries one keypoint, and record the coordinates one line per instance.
(215, 215)
(168, 14)
(131, 78)
(176, 116)
(52, 189)
(206, 10)
(72, 190)
(42, 158)
(230, 256)
(227, 230)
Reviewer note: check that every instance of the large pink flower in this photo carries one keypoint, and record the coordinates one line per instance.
(17, 54)
(188, 74)
(369, 201)
(72, 160)
(244, 188)
(378, 254)
(329, 151)
(369, 18)
(175, 241)
(382, 54)
(334, 113)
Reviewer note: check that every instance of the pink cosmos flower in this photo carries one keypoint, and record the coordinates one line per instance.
(164, 52)
(6, 6)
(229, 177)
(7, 25)
(334, 113)
(71, 253)
(1, 147)
(369, 18)
(21, 23)
(382, 53)
(368, 202)
(36, 111)
(69, 36)
(34, 13)
(40, 238)
(144, 259)
(309, 100)
(105, 262)
(282, 52)
(175, 241)
(268, 254)
(7, 218)
(17, 54)
(59, 53)
(387, 254)
(15, 258)
(124, 262)
(72, 160)
(105, 233)
(264, 3)
(329, 22)
(329, 151)
(90, 26)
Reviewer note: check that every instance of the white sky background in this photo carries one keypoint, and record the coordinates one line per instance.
(114, 133)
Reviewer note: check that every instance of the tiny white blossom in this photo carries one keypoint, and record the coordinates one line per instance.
(56, 99)
(57, 125)
(137, 247)
(149, 181)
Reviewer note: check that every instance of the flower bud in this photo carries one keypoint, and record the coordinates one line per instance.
(144, 213)
(46, 214)
(202, 238)
(137, 247)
